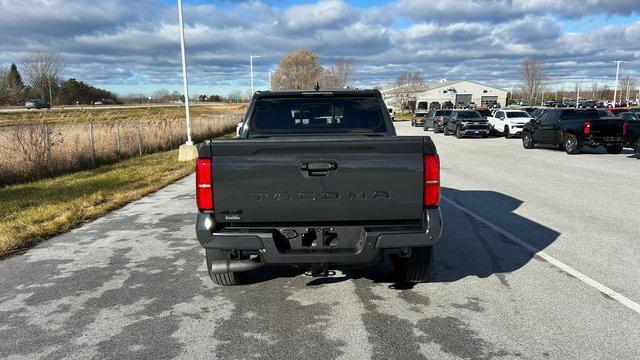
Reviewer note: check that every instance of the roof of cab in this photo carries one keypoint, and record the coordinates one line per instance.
(317, 93)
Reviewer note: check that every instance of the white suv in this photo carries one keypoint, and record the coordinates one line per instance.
(509, 122)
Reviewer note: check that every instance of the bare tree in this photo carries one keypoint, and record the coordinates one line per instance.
(534, 80)
(42, 71)
(337, 75)
(4, 87)
(298, 70)
(627, 86)
(408, 84)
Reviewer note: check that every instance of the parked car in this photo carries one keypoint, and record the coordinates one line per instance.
(466, 123)
(587, 104)
(392, 112)
(509, 122)
(605, 113)
(37, 104)
(418, 118)
(98, 103)
(285, 193)
(619, 110)
(572, 129)
(484, 112)
(631, 130)
(435, 120)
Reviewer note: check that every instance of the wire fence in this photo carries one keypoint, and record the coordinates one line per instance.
(33, 151)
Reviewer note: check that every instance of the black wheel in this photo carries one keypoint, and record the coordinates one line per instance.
(507, 133)
(445, 131)
(415, 268)
(459, 133)
(637, 148)
(614, 149)
(425, 127)
(436, 129)
(527, 141)
(571, 145)
(224, 279)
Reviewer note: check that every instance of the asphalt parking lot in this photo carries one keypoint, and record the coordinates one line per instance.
(133, 284)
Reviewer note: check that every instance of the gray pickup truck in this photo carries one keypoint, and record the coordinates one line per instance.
(318, 180)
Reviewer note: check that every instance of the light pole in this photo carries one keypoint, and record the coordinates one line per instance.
(50, 96)
(185, 81)
(187, 151)
(269, 79)
(615, 89)
(251, 69)
(578, 93)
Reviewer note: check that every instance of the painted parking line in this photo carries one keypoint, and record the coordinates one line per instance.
(550, 259)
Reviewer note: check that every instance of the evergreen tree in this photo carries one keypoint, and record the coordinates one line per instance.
(14, 79)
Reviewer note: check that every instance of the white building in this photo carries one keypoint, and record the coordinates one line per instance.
(460, 93)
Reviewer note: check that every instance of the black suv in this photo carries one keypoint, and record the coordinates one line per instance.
(466, 123)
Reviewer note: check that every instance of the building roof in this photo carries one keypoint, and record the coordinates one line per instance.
(451, 82)
(406, 88)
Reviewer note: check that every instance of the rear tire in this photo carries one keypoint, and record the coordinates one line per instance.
(415, 268)
(459, 133)
(436, 130)
(224, 279)
(507, 133)
(571, 145)
(614, 149)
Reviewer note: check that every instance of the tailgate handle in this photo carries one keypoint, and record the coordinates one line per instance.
(318, 168)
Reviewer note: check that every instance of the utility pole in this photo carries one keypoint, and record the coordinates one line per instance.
(251, 70)
(615, 89)
(578, 93)
(269, 79)
(50, 96)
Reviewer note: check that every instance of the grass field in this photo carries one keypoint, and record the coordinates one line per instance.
(34, 211)
(73, 115)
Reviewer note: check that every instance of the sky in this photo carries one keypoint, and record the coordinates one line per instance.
(130, 46)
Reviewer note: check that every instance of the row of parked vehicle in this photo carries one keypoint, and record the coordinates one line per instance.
(568, 128)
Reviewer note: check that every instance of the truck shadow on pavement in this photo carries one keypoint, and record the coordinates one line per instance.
(467, 247)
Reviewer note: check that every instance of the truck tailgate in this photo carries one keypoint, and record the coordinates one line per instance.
(319, 179)
(607, 128)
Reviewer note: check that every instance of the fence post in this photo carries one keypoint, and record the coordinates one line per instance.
(92, 144)
(139, 138)
(117, 140)
(47, 140)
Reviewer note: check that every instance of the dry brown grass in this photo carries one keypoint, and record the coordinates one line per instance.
(63, 144)
(34, 211)
(97, 114)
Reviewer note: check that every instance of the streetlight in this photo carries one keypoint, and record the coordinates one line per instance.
(578, 93)
(251, 69)
(615, 89)
(187, 151)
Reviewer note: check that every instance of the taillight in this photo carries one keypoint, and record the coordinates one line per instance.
(586, 128)
(431, 172)
(625, 129)
(204, 184)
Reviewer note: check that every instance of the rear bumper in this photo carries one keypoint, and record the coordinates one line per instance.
(604, 140)
(364, 247)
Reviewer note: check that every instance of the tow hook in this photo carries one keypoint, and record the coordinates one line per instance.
(320, 270)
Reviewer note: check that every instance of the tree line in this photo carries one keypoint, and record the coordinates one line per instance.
(42, 80)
